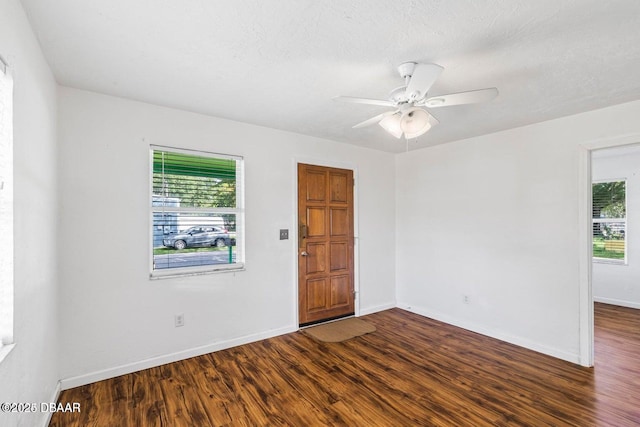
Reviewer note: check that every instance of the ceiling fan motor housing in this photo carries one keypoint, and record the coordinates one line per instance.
(398, 95)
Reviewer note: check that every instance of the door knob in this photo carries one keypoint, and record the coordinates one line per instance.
(304, 253)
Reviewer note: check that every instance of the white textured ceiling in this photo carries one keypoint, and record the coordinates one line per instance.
(279, 63)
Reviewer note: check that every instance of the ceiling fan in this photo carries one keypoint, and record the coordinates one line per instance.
(409, 117)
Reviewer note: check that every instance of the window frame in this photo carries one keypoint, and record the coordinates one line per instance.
(615, 261)
(239, 265)
(7, 302)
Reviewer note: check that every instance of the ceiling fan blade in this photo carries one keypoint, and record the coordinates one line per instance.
(365, 101)
(373, 120)
(470, 97)
(423, 77)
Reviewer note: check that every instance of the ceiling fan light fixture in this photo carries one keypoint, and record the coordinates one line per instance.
(414, 122)
(417, 134)
(391, 124)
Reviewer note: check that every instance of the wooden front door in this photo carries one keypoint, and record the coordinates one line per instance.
(325, 243)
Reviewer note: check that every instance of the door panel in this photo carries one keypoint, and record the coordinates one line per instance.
(339, 260)
(316, 261)
(338, 187)
(339, 222)
(316, 186)
(316, 222)
(339, 294)
(316, 294)
(325, 267)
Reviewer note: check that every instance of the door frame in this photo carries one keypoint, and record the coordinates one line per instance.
(356, 243)
(586, 332)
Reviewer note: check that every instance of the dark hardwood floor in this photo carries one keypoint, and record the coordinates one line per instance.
(412, 371)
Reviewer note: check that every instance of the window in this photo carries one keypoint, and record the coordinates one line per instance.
(609, 221)
(196, 212)
(6, 209)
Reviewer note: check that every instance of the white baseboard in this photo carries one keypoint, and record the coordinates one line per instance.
(128, 368)
(104, 374)
(521, 342)
(612, 301)
(371, 310)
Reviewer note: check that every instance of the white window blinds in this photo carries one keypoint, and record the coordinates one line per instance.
(609, 220)
(196, 209)
(6, 205)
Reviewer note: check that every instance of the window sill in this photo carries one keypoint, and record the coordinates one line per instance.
(179, 272)
(609, 261)
(5, 350)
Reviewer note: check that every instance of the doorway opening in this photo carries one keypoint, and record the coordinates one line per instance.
(615, 184)
(606, 179)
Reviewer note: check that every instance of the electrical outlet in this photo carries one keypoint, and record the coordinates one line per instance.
(284, 234)
(466, 299)
(179, 318)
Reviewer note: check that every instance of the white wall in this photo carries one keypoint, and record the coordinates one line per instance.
(113, 319)
(496, 218)
(30, 372)
(616, 283)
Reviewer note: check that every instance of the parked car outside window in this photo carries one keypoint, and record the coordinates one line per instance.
(197, 237)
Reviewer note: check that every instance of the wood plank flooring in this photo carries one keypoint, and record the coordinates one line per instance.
(412, 371)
